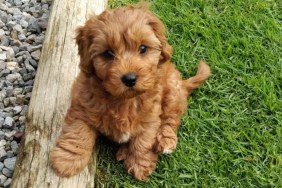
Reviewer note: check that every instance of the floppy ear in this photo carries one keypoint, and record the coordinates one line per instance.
(159, 31)
(83, 42)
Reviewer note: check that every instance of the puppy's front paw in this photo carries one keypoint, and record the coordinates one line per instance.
(140, 168)
(122, 153)
(166, 140)
(68, 162)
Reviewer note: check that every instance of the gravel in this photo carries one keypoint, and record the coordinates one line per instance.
(22, 30)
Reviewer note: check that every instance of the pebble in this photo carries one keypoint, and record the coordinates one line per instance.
(3, 154)
(8, 173)
(12, 65)
(7, 182)
(36, 54)
(2, 33)
(2, 177)
(2, 144)
(17, 110)
(1, 121)
(3, 55)
(12, 77)
(10, 163)
(10, 134)
(9, 122)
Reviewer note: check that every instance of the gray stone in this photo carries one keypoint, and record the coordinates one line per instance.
(3, 94)
(17, 110)
(9, 87)
(26, 16)
(21, 37)
(24, 23)
(8, 109)
(18, 2)
(9, 152)
(3, 7)
(8, 123)
(14, 147)
(33, 25)
(24, 110)
(27, 96)
(4, 73)
(8, 173)
(11, 24)
(6, 102)
(2, 33)
(12, 77)
(1, 166)
(7, 183)
(29, 83)
(22, 119)
(34, 48)
(39, 39)
(2, 135)
(2, 177)
(2, 84)
(27, 89)
(43, 23)
(14, 11)
(3, 154)
(18, 91)
(3, 56)
(18, 28)
(12, 65)
(33, 63)
(2, 144)
(23, 71)
(10, 163)
(1, 121)
(3, 15)
(36, 54)
(20, 59)
(2, 24)
(10, 52)
(10, 134)
(12, 100)
(28, 66)
(5, 40)
(16, 49)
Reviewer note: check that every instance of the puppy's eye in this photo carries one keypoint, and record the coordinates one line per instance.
(109, 54)
(142, 49)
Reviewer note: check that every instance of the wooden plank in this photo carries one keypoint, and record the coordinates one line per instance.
(50, 99)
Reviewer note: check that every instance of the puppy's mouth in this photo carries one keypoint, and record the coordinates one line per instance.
(131, 92)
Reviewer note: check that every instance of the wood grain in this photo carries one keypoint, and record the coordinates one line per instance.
(50, 99)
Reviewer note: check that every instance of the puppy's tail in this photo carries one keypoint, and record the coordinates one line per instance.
(196, 81)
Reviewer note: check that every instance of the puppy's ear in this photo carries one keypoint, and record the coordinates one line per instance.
(83, 43)
(159, 31)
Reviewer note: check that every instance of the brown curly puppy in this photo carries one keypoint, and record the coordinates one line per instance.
(127, 90)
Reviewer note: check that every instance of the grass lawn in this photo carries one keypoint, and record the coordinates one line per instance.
(231, 135)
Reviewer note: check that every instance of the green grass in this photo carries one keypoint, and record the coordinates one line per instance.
(231, 135)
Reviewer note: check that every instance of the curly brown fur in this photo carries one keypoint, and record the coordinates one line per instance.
(141, 113)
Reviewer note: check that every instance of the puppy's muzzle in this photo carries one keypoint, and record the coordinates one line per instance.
(129, 79)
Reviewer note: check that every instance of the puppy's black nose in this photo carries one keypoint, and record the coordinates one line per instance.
(129, 80)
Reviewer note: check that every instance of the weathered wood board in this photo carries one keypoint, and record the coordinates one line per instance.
(50, 99)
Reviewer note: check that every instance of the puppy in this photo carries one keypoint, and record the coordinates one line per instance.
(127, 89)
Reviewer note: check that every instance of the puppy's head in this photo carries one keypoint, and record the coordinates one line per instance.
(124, 48)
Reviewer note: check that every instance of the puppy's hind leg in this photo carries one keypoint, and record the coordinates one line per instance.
(174, 103)
(73, 148)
